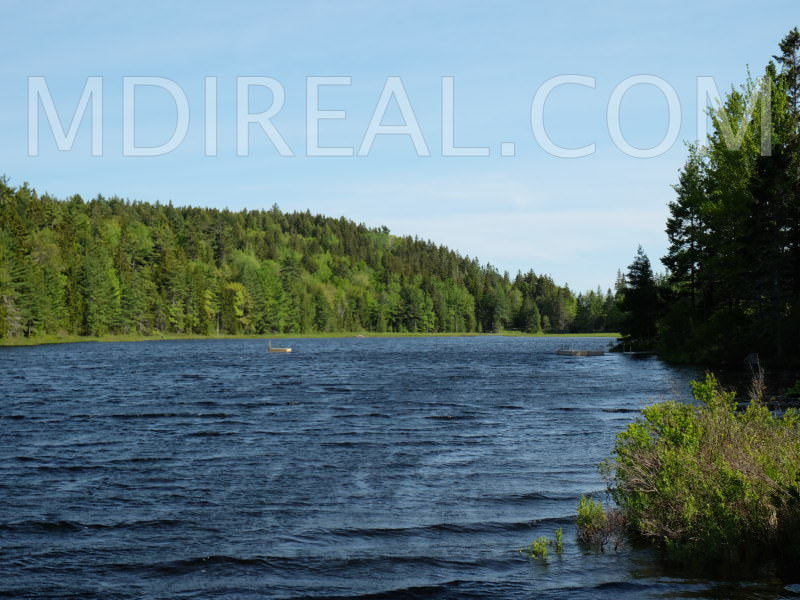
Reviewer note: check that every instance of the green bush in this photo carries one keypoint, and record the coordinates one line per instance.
(707, 481)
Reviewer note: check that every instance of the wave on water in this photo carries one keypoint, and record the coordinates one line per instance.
(203, 470)
(437, 528)
(173, 415)
(67, 526)
(466, 589)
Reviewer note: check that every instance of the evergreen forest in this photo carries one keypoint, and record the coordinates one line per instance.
(732, 282)
(112, 266)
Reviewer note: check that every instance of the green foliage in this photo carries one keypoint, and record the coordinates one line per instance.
(591, 518)
(641, 304)
(706, 481)
(537, 549)
(103, 292)
(111, 266)
(734, 228)
(596, 311)
(794, 391)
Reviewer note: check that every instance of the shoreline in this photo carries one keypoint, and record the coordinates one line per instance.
(76, 339)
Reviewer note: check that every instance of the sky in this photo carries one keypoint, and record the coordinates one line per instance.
(451, 121)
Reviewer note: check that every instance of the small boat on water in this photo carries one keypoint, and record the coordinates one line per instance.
(565, 352)
(271, 349)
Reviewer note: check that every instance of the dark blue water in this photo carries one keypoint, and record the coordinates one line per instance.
(380, 468)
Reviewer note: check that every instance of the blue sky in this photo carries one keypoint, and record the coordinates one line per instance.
(578, 219)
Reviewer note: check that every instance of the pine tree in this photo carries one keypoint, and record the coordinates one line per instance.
(641, 302)
(102, 291)
(685, 227)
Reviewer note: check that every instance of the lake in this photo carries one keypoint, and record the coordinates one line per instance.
(359, 467)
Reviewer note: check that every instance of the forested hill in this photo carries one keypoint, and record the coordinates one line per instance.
(111, 266)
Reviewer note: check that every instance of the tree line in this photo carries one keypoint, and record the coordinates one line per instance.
(112, 266)
(732, 285)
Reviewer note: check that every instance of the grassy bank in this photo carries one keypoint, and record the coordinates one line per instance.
(68, 339)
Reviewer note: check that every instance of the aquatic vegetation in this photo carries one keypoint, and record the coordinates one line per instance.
(598, 527)
(591, 516)
(709, 481)
(559, 540)
(538, 548)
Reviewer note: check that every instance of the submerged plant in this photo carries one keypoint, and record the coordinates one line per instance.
(537, 548)
(597, 526)
(591, 516)
(559, 540)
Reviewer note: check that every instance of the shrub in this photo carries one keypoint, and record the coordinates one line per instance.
(708, 481)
